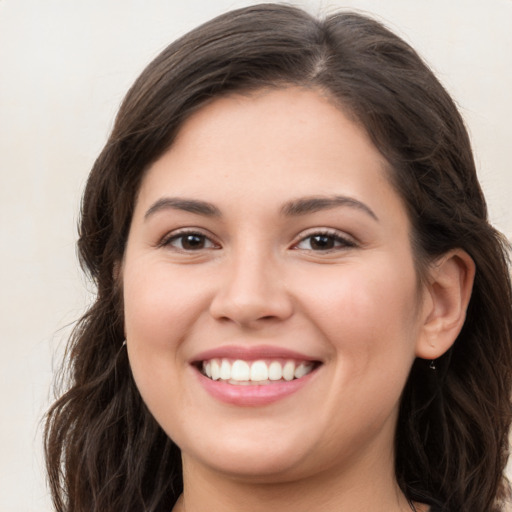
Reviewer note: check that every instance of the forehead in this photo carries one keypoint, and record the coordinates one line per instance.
(251, 155)
(270, 145)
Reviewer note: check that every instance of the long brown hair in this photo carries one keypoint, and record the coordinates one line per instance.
(104, 450)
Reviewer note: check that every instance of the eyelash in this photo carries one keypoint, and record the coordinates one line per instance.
(330, 237)
(340, 242)
(168, 240)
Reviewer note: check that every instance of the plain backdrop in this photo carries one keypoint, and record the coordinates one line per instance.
(64, 68)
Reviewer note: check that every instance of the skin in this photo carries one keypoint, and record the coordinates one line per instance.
(256, 278)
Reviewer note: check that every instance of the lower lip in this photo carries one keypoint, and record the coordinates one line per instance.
(252, 395)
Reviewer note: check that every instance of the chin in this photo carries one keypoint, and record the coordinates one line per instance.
(256, 459)
(271, 468)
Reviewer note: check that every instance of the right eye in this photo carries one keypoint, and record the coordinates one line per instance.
(189, 241)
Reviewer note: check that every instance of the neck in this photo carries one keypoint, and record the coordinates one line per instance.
(328, 491)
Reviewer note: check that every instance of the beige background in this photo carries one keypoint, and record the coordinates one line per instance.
(64, 67)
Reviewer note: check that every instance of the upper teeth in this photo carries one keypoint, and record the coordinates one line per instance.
(255, 371)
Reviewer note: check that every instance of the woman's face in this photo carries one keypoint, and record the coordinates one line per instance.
(269, 251)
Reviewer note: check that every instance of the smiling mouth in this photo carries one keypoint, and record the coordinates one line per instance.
(259, 372)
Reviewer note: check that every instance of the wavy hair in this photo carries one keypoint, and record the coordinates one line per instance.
(104, 450)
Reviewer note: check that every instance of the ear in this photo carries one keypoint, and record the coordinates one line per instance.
(446, 298)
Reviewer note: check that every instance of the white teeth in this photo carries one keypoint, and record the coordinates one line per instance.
(208, 369)
(225, 370)
(240, 370)
(275, 371)
(215, 370)
(289, 370)
(300, 371)
(258, 372)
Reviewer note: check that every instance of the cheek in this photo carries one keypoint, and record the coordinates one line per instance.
(159, 304)
(160, 307)
(368, 311)
(368, 317)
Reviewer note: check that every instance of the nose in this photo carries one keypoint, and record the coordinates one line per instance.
(251, 293)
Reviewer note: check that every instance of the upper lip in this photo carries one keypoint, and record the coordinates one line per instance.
(251, 353)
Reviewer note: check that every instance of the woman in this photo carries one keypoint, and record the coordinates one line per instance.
(301, 304)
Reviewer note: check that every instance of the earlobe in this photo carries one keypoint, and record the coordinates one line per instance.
(449, 287)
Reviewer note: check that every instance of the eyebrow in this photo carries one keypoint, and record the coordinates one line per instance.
(306, 205)
(187, 205)
(292, 208)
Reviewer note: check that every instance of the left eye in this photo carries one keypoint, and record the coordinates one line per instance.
(324, 242)
(190, 242)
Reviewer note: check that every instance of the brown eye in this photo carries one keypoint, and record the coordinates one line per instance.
(190, 242)
(324, 242)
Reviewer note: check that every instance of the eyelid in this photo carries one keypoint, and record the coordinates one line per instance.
(346, 240)
(166, 240)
